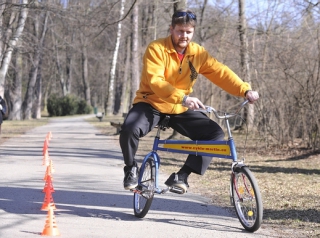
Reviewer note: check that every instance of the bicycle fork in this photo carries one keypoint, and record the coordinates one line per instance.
(234, 183)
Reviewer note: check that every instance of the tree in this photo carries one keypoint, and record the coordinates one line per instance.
(244, 58)
(135, 59)
(13, 33)
(110, 102)
(15, 92)
(125, 96)
(32, 93)
(181, 4)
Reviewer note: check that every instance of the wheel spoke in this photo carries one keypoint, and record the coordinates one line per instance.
(247, 200)
(144, 196)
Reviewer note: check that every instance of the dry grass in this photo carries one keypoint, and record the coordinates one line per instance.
(10, 129)
(289, 179)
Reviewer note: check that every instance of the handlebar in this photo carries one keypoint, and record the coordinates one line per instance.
(225, 115)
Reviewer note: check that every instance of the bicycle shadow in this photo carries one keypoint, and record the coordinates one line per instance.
(112, 206)
(22, 200)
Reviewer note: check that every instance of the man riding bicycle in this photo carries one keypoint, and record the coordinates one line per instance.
(170, 69)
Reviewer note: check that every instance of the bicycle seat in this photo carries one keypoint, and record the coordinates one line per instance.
(164, 123)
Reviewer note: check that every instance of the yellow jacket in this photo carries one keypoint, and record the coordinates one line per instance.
(165, 80)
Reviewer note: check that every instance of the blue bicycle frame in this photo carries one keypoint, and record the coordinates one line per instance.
(221, 149)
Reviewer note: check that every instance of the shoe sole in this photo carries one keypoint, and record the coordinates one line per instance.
(130, 186)
(177, 190)
(181, 186)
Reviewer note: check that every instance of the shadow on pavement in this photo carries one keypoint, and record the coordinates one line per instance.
(19, 200)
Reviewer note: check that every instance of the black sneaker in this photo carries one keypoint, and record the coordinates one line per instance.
(178, 180)
(131, 174)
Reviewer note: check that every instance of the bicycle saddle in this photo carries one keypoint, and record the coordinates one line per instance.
(164, 123)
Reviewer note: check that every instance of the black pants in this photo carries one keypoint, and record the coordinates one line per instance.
(1, 120)
(142, 118)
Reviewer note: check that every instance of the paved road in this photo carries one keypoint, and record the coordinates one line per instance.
(89, 196)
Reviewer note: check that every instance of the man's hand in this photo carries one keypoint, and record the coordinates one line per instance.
(0, 107)
(252, 96)
(193, 103)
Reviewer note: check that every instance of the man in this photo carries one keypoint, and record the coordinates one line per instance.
(3, 110)
(170, 69)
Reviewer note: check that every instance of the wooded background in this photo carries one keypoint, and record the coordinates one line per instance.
(93, 49)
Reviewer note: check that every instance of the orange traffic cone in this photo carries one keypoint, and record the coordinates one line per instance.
(49, 135)
(50, 228)
(51, 166)
(45, 146)
(48, 202)
(45, 160)
(48, 185)
(48, 173)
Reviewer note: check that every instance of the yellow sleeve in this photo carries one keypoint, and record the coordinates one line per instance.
(223, 76)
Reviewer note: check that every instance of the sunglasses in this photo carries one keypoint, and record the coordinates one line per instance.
(183, 14)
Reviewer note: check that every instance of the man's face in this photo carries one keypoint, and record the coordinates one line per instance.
(181, 36)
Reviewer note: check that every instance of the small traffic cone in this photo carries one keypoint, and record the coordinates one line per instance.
(49, 135)
(50, 227)
(48, 202)
(48, 185)
(48, 173)
(45, 146)
(51, 166)
(46, 159)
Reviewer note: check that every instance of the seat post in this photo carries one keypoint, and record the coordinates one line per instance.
(163, 125)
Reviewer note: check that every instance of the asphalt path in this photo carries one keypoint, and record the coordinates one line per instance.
(88, 191)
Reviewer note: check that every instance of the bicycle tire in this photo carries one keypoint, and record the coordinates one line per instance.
(142, 200)
(246, 198)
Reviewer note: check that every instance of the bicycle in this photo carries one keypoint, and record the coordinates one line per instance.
(244, 191)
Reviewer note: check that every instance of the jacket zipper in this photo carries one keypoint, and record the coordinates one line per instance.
(180, 68)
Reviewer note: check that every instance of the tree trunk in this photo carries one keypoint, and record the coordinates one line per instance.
(125, 96)
(7, 54)
(85, 78)
(181, 4)
(38, 94)
(135, 59)
(64, 72)
(69, 63)
(6, 34)
(59, 65)
(16, 92)
(244, 55)
(30, 94)
(111, 89)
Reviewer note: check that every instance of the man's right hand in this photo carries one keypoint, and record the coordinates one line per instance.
(252, 96)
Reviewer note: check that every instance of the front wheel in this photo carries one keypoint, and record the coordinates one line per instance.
(246, 198)
(143, 196)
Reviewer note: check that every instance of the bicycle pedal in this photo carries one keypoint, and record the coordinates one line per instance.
(137, 189)
(177, 190)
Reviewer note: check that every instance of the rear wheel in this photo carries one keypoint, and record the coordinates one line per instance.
(143, 196)
(246, 198)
